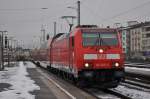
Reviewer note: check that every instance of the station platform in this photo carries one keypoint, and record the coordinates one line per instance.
(24, 80)
(44, 92)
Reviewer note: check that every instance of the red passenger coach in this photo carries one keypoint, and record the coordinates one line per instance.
(89, 54)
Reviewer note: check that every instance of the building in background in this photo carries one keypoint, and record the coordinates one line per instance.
(136, 39)
(125, 35)
(140, 38)
(146, 39)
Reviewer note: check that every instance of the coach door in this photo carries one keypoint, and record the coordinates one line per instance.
(71, 52)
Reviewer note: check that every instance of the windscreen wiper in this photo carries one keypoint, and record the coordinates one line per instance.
(102, 41)
(99, 42)
(96, 43)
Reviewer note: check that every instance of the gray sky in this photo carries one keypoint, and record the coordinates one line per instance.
(23, 18)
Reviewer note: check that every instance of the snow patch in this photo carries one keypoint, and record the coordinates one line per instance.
(135, 94)
(29, 65)
(22, 85)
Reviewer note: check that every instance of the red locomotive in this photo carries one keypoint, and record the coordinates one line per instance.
(88, 54)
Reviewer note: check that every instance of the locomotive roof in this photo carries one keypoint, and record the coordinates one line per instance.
(94, 28)
(98, 30)
(91, 29)
(60, 36)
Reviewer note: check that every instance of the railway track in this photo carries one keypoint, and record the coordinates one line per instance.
(116, 93)
(137, 83)
(106, 94)
(138, 73)
(138, 77)
(99, 93)
(138, 65)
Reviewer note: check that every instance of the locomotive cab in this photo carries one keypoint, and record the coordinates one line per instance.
(98, 56)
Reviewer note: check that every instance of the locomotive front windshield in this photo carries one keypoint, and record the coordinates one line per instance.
(99, 39)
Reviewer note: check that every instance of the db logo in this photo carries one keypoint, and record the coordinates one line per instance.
(101, 56)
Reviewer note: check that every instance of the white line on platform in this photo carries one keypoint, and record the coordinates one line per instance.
(65, 91)
(57, 85)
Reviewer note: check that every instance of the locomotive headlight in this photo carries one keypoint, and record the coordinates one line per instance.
(101, 50)
(86, 65)
(116, 64)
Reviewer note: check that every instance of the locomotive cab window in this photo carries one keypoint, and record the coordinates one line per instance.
(109, 39)
(90, 39)
(99, 39)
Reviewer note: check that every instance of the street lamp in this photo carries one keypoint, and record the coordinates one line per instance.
(69, 17)
(72, 7)
(78, 12)
(44, 8)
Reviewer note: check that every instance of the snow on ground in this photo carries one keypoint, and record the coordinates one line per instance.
(21, 84)
(143, 71)
(44, 63)
(133, 93)
(29, 65)
(137, 64)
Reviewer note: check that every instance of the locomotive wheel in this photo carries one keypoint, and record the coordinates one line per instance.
(58, 73)
(67, 76)
(38, 63)
(49, 68)
(64, 76)
(73, 80)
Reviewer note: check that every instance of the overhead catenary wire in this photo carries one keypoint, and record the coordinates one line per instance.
(117, 15)
(138, 17)
(24, 9)
(127, 11)
(28, 9)
(91, 11)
